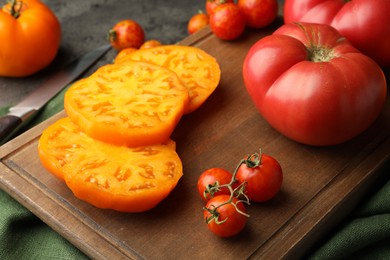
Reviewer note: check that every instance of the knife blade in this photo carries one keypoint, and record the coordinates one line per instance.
(25, 110)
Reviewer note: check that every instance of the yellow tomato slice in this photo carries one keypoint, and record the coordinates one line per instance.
(124, 53)
(131, 103)
(199, 71)
(109, 176)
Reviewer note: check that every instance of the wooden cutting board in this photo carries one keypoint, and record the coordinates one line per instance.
(322, 184)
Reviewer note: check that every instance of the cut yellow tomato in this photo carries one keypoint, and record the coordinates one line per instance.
(199, 71)
(131, 103)
(121, 54)
(109, 176)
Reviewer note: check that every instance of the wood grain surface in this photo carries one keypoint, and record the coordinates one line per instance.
(321, 184)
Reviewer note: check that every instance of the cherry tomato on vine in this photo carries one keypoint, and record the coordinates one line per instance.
(227, 22)
(258, 13)
(197, 22)
(126, 34)
(212, 4)
(226, 220)
(213, 177)
(263, 175)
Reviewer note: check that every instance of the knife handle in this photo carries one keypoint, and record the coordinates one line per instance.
(8, 124)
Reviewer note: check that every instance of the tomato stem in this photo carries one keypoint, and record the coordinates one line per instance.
(320, 54)
(112, 35)
(252, 161)
(15, 8)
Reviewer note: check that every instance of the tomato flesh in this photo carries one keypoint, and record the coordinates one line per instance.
(108, 176)
(198, 71)
(132, 104)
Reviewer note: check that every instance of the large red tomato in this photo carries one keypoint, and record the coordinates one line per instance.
(312, 85)
(364, 22)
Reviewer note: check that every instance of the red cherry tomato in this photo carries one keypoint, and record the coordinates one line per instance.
(264, 179)
(213, 177)
(228, 221)
(126, 34)
(227, 22)
(212, 4)
(197, 22)
(258, 13)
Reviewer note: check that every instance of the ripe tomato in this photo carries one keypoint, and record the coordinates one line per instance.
(212, 177)
(212, 4)
(320, 90)
(197, 22)
(109, 176)
(227, 22)
(196, 69)
(130, 103)
(122, 54)
(150, 44)
(264, 180)
(30, 37)
(228, 221)
(364, 22)
(126, 34)
(258, 13)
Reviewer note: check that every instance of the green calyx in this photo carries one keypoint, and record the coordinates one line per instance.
(15, 8)
(112, 35)
(320, 54)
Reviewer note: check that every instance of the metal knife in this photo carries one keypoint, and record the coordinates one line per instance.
(22, 112)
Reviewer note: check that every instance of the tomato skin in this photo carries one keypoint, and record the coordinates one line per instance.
(235, 221)
(263, 181)
(90, 106)
(201, 64)
(123, 53)
(30, 42)
(314, 102)
(197, 22)
(258, 13)
(150, 44)
(212, 4)
(227, 22)
(126, 34)
(210, 177)
(109, 176)
(363, 22)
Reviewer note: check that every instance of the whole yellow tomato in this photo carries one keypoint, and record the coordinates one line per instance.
(30, 37)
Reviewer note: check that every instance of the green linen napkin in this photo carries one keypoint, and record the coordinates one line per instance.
(365, 234)
(22, 234)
